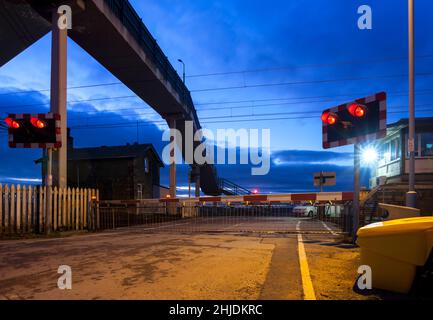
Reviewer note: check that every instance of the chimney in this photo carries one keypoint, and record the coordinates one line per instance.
(70, 141)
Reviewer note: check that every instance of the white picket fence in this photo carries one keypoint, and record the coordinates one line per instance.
(24, 209)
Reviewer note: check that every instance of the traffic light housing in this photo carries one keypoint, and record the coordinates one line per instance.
(34, 130)
(357, 121)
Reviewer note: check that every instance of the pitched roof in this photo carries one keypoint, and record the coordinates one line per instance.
(418, 121)
(113, 152)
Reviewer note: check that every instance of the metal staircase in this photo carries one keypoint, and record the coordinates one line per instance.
(229, 188)
(394, 193)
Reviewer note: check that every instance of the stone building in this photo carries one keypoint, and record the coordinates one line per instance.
(393, 158)
(389, 181)
(124, 172)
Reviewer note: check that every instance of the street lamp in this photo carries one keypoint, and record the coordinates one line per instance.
(369, 155)
(183, 73)
(411, 194)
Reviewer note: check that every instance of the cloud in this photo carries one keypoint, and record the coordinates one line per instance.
(291, 170)
(296, 175)
(88, 130)
(286, 157)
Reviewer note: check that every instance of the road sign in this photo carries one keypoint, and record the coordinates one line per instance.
(34, 130)
(354, 122)
(322, 179)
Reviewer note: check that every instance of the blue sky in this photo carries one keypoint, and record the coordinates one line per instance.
(242, 43)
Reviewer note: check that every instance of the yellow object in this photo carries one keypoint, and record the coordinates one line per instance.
(394, 249)
(399, 212)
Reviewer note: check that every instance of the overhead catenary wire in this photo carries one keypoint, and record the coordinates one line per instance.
(225, 103)
(294, 67)
(114, 114)
(262, 85)
(245, 86)
(306, 115)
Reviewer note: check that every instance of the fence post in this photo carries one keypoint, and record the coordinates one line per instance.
(348, 214)
(73, 209)
(66, 222)
(82, 209)
(113, 224)
(30, 211)
(40, 207)
(68, 209)
(24, 209)
(55, 205)
(91, 224)
(84, 193)
(127, 213)
(97, 209)
(13, 194)
(18, 209)
(60, 221)
(48, 209)
(79, 208)
(64, 206)
(7, 202)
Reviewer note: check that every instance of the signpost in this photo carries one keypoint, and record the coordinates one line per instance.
(359, 121)
(37, 131)
(322, 179)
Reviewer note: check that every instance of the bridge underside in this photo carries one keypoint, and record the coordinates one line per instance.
(20, 27)
(100, 32)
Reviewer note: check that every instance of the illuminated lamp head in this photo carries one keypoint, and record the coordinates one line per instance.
(38, 123)
(357, 110)
(329, 118)
(12, 123)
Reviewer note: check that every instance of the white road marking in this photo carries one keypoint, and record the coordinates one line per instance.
(307, 284)
(329, 229)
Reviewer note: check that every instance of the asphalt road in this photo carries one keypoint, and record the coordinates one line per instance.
(160, 262)
(257, 223)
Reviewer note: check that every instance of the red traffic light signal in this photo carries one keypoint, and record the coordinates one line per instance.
(329, 118)
(357, 110)
(38, 123)
(12, 123)
(34, 130)
(357, 121)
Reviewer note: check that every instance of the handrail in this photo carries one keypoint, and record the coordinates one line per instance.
(232, 188)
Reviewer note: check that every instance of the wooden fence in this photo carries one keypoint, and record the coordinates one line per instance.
(23, 209)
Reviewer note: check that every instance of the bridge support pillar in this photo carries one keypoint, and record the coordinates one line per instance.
(172, 125)
(197, 181)
(58, 97)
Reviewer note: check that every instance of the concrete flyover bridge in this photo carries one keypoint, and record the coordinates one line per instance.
(111, 32)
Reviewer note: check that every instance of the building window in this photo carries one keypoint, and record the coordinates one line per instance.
(146, 165)
(395, 149)
(427, 144)
(385, 155)
(139, 191)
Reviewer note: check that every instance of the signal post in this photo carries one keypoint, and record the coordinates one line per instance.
(37, 131)
(362, 120)
(58, 94)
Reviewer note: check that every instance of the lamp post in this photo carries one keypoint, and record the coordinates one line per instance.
(183, 73)
(411, 194)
